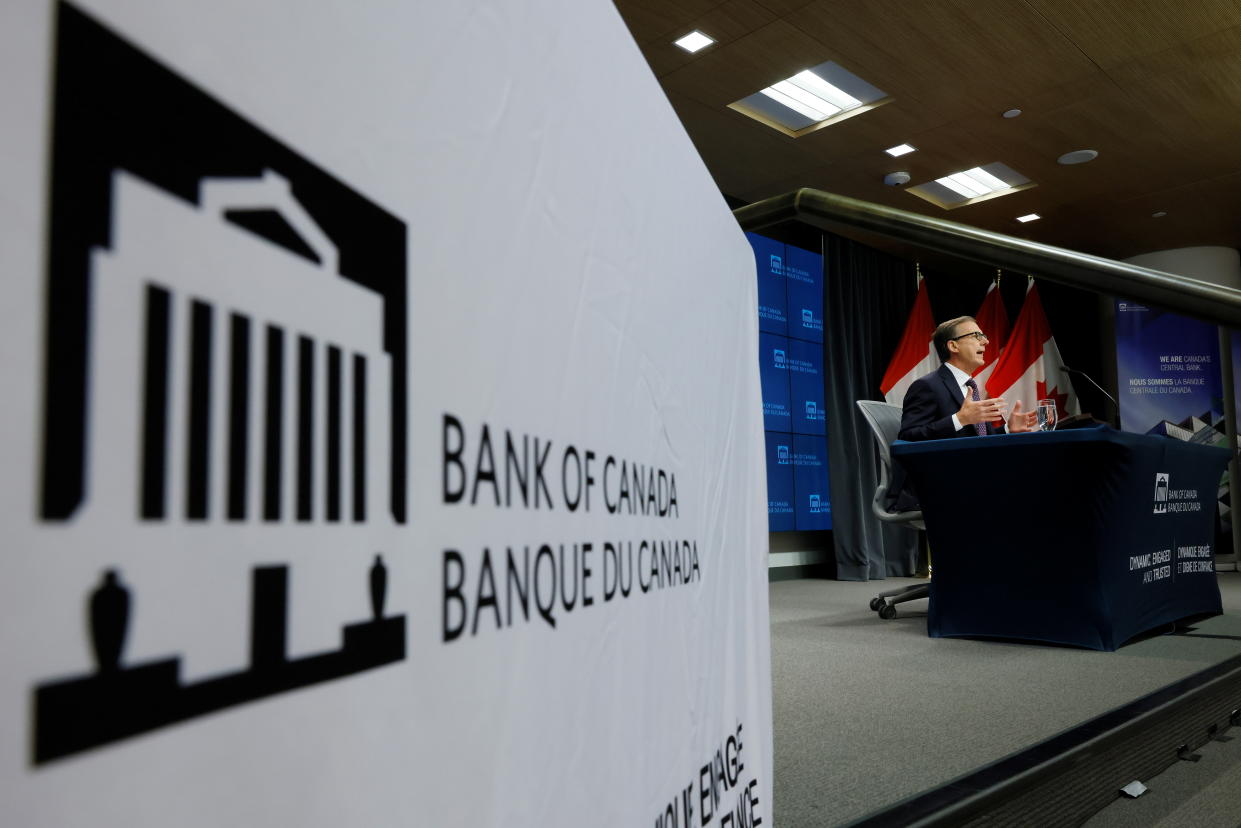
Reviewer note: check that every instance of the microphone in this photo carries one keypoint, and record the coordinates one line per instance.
(1073, 371)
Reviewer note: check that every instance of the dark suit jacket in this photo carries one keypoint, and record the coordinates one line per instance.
(929, 405)
(927, 415)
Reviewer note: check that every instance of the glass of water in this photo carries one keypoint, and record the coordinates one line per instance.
(1046, 414)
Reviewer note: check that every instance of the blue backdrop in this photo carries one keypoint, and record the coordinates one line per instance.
(790, 323)
(772, 300)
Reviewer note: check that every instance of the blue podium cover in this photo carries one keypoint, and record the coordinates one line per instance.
(1086, 537)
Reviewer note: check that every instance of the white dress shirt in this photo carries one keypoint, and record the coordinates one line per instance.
(961, 377)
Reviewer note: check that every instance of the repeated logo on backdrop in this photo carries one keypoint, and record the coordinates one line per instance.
(790, 299)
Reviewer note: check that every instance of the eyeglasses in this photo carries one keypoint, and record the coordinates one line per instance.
(979, 335)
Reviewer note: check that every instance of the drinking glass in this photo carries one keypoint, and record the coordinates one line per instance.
(1046, 413)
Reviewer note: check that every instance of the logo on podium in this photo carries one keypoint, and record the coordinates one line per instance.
(1161, 493)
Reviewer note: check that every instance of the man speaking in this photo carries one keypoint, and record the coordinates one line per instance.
(949, 403)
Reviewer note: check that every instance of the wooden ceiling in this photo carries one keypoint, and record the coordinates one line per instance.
(1153, 85)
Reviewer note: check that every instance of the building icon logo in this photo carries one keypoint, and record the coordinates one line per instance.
(1161, 493)
(812, 410)
(226, 349)
(250, 408)
(776, 263)
(807, 317)
(782, 455)
(779, 357)
(815, 504)
(294, 392)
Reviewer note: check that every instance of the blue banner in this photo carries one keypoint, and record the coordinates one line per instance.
(773, 369)
(790, 323)
(772, 302)
(805, 361)
(814, 506)
(780, 482)
(1167, 369)
(803, 275)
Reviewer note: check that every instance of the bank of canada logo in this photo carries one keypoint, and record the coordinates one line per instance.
(1161, 493)
(778, 356)
(228, 358)
(777, 264)
(257, 305)
(814, 504)
(812, 409)
(807, 318)
(150, 177)
(782, 455)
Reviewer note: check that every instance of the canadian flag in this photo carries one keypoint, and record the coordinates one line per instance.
(915, 355)
(1029, 370)
(993, 320)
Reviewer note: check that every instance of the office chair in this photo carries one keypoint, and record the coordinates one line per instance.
(884, 420)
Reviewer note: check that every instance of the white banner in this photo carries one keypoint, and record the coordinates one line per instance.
(384, 437)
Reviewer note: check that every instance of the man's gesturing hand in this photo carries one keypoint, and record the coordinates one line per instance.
(1022, 420)
(983, 411)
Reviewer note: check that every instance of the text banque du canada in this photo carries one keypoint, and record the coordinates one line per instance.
(551, 579)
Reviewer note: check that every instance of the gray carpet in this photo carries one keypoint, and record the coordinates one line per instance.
(870, 712)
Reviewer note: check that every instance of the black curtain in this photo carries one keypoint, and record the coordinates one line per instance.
(867, 297)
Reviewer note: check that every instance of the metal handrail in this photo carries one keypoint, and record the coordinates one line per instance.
(1192, 297)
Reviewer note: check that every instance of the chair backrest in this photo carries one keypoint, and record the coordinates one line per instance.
(884, 420)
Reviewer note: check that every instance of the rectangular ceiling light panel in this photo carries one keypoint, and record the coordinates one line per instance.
(814, 85)
(811, 99)
(972, 185)
(801, 101)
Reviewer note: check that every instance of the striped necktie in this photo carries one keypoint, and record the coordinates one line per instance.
(981, 428)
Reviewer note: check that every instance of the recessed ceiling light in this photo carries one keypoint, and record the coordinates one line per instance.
(694, 41)
(810, 95)
(972, 183)
(899, 150)
(811, 99)
(1012, 113)
(1159, 214)
(1029, 217)
(969, 186)
(1077, 157)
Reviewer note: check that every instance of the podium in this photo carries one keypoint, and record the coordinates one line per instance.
(1086, 537)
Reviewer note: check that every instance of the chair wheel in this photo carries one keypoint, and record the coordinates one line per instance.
(887, 612)
(876, 603)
